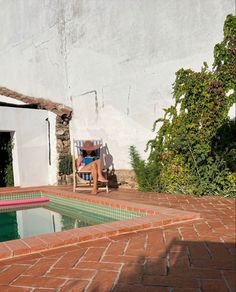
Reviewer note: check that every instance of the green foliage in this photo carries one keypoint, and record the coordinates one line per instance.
(225, 55)
(65, 165)
(8, 171)
(194, 149)
(175, 176)
(9, 179)
(146, 174)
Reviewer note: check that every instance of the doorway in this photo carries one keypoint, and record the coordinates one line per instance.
(6, 166)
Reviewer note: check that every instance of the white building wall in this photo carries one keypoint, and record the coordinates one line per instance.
(30, 153)
(53, 167)
(114, 61)
(32, 48)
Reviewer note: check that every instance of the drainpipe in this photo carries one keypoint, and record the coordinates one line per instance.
(49, 141)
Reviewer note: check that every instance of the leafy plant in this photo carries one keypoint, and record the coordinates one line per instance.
(192, 153)
(65, 165)
(9, 179)
(146, 174)
(8, 171)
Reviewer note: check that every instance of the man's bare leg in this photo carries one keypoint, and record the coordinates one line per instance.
(97, 163)
(101, 178)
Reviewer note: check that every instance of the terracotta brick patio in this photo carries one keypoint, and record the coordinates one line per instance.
(194, 256)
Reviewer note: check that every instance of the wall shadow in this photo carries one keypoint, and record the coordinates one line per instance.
(112, 177)
(183, 266)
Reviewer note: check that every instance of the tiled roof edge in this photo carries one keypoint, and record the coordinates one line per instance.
(42, 103)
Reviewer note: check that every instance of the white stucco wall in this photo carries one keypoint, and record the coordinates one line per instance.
(53, 167)
(114, 61)
(32, 47)
(30, 153)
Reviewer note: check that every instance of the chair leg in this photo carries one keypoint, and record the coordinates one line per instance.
(106, 177)
(74, 181)
(107, 190)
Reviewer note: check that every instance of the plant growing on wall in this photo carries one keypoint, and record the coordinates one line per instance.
(192, 151)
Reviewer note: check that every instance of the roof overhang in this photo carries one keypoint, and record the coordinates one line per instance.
(59, 109)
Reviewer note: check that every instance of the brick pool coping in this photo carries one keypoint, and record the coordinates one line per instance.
(157, 217)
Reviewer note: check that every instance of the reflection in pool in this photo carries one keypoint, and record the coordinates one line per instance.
(34, 221)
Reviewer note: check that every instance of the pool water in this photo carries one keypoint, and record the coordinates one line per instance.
(59, 214)
(34, 221)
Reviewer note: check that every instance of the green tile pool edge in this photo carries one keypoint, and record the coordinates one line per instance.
(100, 209)
(17, 196)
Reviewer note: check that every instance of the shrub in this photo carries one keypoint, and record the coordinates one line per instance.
(65, 165)
(192, 151)
(8, 170)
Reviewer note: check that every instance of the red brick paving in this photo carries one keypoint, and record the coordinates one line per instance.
(194, 256)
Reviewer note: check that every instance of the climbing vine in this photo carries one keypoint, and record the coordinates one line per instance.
(195, 149)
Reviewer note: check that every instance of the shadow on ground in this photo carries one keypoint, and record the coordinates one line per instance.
(183, 266)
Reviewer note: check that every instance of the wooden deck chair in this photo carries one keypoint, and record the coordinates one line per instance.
(82, 180)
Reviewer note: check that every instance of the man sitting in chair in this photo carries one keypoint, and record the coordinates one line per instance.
(87, 161)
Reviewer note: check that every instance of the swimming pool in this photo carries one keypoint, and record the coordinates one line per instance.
(124, 217)
(58, 214)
